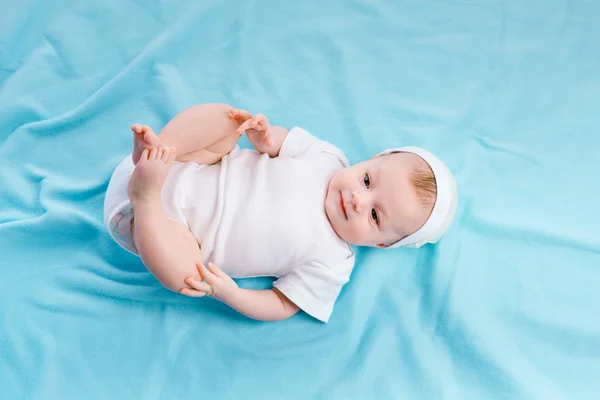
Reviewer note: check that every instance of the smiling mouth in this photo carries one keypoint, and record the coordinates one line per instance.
(342, 206)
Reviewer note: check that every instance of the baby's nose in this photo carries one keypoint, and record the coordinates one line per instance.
(356, 201)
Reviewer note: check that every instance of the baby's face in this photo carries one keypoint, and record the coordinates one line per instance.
(374, 203)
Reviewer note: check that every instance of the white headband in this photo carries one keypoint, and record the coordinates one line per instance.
(445, 205)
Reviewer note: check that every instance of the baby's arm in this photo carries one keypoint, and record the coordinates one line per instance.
(265, 138)
(263, 305)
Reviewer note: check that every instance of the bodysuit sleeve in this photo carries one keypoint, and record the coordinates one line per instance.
(315, 287)
(299, 143)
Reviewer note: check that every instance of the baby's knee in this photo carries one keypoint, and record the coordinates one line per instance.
(173, 285)
(173, 278)
(176, 281)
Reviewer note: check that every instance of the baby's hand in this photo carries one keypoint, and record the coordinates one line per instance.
(216, 284)
(257, 130)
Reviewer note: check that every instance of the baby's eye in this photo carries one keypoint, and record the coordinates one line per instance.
(367, 181)
(375, 216)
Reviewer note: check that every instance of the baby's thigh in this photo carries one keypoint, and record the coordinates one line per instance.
(177, 257)
(200, 127)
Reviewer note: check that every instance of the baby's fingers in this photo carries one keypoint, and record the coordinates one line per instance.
(200, 286)
(261, 122)
(216, 270)
(207, 275)
(192, 293)
(266, 137)
(245, 126)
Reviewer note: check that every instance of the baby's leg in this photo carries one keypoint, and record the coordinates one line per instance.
(203, 134)
(167, 248)
(202, 128)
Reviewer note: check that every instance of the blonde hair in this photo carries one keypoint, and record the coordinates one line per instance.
(423, 180)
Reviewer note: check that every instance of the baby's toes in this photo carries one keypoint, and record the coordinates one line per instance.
(164, 154)
(153, 154)
(136, 128)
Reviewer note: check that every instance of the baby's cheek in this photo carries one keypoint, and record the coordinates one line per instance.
(355, 234)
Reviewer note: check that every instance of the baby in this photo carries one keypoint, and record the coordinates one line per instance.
(190, 199)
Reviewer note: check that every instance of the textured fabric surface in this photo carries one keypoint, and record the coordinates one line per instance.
(507, 93)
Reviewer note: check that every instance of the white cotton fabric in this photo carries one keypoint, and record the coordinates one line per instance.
(256, 216)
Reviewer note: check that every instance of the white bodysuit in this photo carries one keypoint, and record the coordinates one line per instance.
(256, 216)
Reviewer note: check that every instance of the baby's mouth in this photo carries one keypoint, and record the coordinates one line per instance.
(342, 206)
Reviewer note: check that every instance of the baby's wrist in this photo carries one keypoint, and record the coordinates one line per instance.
(230, 297)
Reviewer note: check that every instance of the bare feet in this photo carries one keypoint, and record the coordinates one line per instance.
(239, 115)
(149, 175)
(143, 138)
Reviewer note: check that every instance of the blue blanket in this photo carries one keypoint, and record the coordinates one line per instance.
(507, 93)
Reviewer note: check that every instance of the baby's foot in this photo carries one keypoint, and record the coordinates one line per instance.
(149, 174)
(143, 138)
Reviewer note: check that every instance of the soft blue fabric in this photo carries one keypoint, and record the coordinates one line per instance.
(507, 93)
